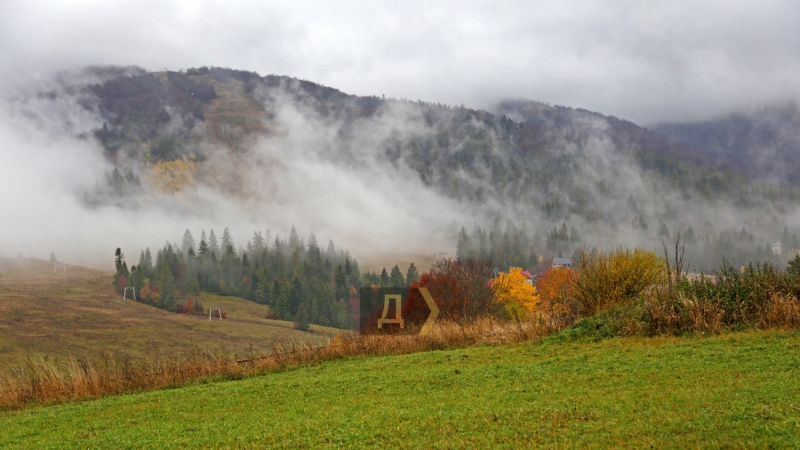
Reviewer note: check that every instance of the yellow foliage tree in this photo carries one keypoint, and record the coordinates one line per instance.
(172, 176)
(515, 293)
(615, 277)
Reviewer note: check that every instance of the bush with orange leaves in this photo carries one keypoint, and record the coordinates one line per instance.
(149, 295)
(556, 288)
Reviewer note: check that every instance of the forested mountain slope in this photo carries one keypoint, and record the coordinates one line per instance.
(763, 143)
(539, 166)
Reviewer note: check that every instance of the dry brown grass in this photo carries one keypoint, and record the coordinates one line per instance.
(42, 380)
(79, 314)
(671, 312)
(783, 312)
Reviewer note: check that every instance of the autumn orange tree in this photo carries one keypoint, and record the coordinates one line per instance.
(555, 289)
(516, 294)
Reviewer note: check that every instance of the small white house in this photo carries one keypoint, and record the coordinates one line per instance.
(777, 248)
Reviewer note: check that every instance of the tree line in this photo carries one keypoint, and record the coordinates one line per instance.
(298, 280)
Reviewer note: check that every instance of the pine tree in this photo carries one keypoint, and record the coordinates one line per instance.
(396, 278)
(282, 305)
(793, 269)
(296, 295)
(148, 260)
(213, 245)
(202, 249)
(330, 253)
(464, 245)
(412, 274)
(294, 240)
(302, 319)
(119, 258)
(227, 241)
(188, 241)
(258, 244)
(385, 280)
(275, 291)
(137, 281)
(340, 283)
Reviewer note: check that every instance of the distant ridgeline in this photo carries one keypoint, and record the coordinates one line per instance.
(601, 176)
(299, 281)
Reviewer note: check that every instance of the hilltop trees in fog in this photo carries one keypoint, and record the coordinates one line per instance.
(517, 247)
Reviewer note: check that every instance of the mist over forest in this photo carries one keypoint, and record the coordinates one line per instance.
(125, 157)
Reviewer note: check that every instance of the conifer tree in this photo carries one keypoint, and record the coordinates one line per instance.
(188, 241)
(412, 274)
(301, 320)
(202, 249)
(294, 240)
(385, 280)
(148, 260)
(464, 245)
(296, 295)
(282, 305)
(275, 292)
(258, 244)
(340, 283)
(227, 241)
(396, 278)
(213, 245)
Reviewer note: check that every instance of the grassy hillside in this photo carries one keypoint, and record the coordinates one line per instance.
(79, 314)
(736, 390)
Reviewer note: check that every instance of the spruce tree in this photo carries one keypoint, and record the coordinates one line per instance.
(227, 241)
(188, 241)
(282, 305)
(213, 245)
(148, 260)
(301, 320)
(295, 295)
(396, 278)
(412, 274)
(385, 280)
(464, 245)
(340, 284)
(202, 249)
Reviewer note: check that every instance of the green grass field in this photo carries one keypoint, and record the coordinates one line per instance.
(739, 390)
(78, 314)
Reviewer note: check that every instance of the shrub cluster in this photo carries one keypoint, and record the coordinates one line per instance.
(759, 295)
(616, 277)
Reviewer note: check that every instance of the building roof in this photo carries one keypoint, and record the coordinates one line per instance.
(562, 262)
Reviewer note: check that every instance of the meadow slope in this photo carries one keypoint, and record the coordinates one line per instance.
(735, 390)
(78, 314)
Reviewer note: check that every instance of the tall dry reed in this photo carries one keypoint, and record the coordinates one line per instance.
(43, 380)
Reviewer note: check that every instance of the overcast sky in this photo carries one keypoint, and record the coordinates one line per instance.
(645, 61)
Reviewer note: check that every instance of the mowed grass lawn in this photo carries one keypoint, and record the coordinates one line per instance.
(737, 390)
